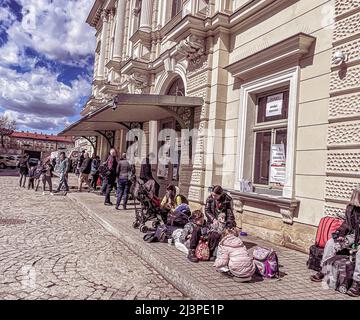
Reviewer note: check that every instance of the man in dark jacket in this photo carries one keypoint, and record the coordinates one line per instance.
(124, 173)
(79, 162)
(85, 171)
(110, 175)
(346, 237)
(95, 164)
(24, 169)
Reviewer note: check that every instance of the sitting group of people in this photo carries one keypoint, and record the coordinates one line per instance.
(217, 227)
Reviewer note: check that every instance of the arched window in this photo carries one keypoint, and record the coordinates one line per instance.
(177, 88)
(176, 7)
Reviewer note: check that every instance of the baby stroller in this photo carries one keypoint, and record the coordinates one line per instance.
(149, 205)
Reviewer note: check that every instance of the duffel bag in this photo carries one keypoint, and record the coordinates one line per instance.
(315, 256)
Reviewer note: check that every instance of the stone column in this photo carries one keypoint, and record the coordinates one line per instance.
(104, 31)
(119, 29)
(146, 14)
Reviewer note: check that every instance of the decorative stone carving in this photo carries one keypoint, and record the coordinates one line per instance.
(344, 106)
(347, 27)
(343, 162)
(345, 6)
(340, 190)
(287, 214)
(138, 82)
(193, 48)
(345, 79)
(185, 113)
(344, 134)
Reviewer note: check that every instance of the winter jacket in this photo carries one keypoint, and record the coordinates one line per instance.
(95, 164)
(145, 170)
(38, 171)
(124, 170)
(233, 254)
(351, 223)
(213, 208)
(188, 231)
(86, 166)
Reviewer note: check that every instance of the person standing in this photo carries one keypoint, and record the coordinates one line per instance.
(110, 176)
(146, 173)
(47, 175)
(79, 162)
(94, 172)
(37, 174)
(23, 169)
(124, 173)
(64, 167)
(85, 169)
(31, 177)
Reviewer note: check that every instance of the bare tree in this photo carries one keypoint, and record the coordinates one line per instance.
(7, 127)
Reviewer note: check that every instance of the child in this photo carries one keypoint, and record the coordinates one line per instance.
(31, 176)
(233, 258)
(196, 220)
(37, 174)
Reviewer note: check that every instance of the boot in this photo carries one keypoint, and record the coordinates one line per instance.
(317, 277)
(354, 291)
(192, 257)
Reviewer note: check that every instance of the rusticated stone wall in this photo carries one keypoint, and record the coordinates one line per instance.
(343, 139)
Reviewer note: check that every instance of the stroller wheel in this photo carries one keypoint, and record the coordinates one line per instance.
(135, 224)
(144, 229)
(155, 224)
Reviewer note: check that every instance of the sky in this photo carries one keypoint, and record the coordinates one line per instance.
(46, 62)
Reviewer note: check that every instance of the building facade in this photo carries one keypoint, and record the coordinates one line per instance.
(36, 144)
(279, 119)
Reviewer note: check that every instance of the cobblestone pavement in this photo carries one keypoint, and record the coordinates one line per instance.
(49, 249)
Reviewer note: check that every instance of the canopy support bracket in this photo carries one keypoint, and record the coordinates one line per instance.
(109, 135)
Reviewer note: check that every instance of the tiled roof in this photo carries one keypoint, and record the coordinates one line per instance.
(38, 136)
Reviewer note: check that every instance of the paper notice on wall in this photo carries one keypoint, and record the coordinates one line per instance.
(277, 164)
(274, 105)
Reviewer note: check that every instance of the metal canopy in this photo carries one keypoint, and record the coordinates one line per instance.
(129, 108)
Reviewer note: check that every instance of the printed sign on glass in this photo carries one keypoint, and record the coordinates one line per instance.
(277, 164)
(274, 105)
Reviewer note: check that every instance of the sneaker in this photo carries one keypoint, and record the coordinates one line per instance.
(43, 193)
(51, 193)
(354, 290)
(117, 208)
(124, 207)
(108, 204)
(192, 257)
(56, 191)
(317, 277)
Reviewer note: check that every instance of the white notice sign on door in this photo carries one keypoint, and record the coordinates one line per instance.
(274, 105)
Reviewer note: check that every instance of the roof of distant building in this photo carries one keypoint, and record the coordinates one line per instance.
(40, 136)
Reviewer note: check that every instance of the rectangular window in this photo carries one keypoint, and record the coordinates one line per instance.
(271, 138)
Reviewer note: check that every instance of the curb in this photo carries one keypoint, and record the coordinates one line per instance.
(188, 286)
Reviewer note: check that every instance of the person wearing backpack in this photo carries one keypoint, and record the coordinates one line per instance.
(232, 257)
(346, 237)
(94, 172)
(64, 168)
(23, 165)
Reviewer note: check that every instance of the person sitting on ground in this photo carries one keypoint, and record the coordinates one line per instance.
(232, 257)
(64, 168)
(47, 175)
(124, 173)
(171, 201)
(196, 219)
(23, 166)
(31, 176)
(85, 171)
(347, 236)
(37, 174)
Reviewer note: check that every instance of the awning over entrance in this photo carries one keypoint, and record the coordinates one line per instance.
(129, 108)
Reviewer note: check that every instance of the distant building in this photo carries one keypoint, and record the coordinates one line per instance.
(84, 144)
(37, 145)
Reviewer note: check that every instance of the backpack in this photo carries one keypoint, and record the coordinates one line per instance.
(338, 271)
(266, 262)
(202, 251)
(183, 208)
(163, 233)
(327, 226)
(69, 166)
(315, 256)
(177, 219)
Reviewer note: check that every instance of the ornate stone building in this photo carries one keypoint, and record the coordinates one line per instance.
(271, 86)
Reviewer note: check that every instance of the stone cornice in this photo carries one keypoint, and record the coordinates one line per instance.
(287, 51)
(95, 13)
